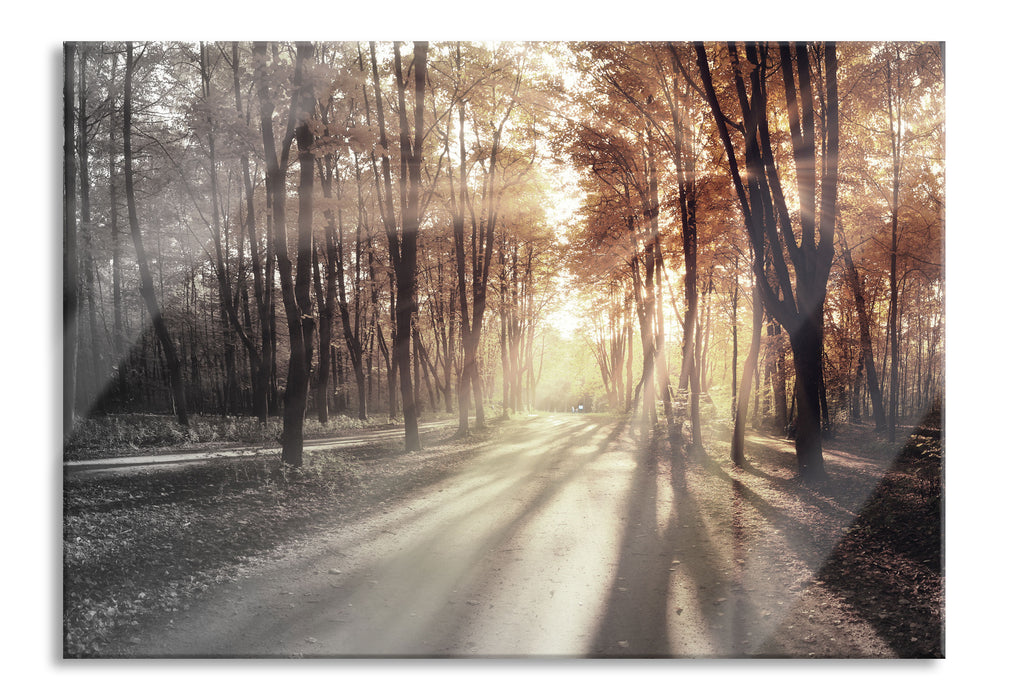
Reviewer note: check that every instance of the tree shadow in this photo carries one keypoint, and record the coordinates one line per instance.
(634, 623)
(723, 574)
(801, 541)
(430, 580)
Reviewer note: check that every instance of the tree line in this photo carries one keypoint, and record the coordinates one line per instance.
(243, 221)
(275, 228)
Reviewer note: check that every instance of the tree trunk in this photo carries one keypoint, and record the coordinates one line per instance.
(686, 185)
(261, 366)
(629, 384)
(503, 315)
(778, 366)
(403, 243)
(327, 302)
(735, 334)
(302, 328)
(655, 250)
(865, 338)
(645, 311)
(749, 370)
(856, 392)
(94, 384)
(352, 328)
(755, 419)
(807, 351)
(295, 396)
(70, 262)
(896, 132)
(895, 374)
(825, 426)
(146, 281)
(118, 332)
(768, 219)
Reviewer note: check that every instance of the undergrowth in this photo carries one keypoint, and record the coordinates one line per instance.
(126, 433)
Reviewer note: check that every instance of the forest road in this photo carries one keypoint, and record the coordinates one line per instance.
(573, 538)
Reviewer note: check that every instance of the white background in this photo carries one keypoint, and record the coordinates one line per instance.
(977, 231)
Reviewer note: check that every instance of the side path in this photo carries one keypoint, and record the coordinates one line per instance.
(180, 458)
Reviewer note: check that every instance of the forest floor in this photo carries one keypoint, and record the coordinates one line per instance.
(552, 535)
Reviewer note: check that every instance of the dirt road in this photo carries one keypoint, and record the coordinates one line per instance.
(574, 539)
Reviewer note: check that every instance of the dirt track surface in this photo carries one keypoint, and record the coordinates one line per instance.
(574, 537)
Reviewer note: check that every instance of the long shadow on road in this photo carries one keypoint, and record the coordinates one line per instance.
(634, 623)
(437, 578)
(674, 573)
(420, 597)
(672, 582)
(701, 571)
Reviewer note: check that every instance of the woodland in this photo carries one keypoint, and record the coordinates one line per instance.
(701, 236)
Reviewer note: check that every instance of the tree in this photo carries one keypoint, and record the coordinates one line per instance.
(402, 234)
(262, 358)
(293, 291)
(768, 219)
(864, 334)
(621, 210)
(491, 100)
(70, 260)
(749, 369)
(424, 257)
(146, 280)
(525, 265)
(892, 200)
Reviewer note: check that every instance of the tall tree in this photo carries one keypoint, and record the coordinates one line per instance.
(298, 372)
(71, 283)
(402, 235)
(894, 104)
(305, 102)
(147, 290)
(228, 304)
(480, 209)
(768, 221)
(749, 369)
(895, 114)
(118, 327)
(685, 158)
(262, 359)
(864, 335)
